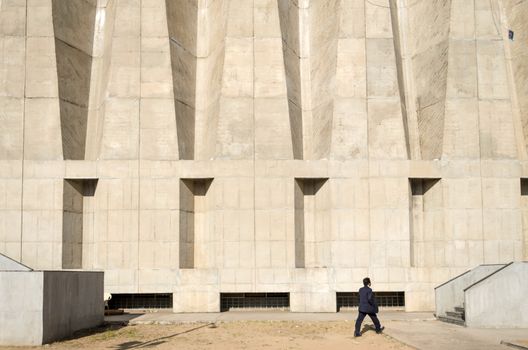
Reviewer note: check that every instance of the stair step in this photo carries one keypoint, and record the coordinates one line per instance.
(455, 314)
(459, 309)
(452, 320)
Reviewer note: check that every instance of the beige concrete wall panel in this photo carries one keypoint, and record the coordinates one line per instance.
(121, 129)
(350, 129)
(382, 78)
(352, 19)
(10, 218)
(461, 135)
(266, 19)
(156, 79)
(272, 135)
(462, 73)
(41, 72)
(12, 59)
(240, 19)
(386, 135)
(125, 65)
(11, 130)
(492, 74)
(13, 18)
(235, 129)
(351, 68)
(238, 68)
(42, 138)
(270, 78)
(42, 223)
(497, 130)
(158, 130)
(378, 19)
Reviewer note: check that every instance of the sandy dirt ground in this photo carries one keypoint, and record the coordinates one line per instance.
(267, 335)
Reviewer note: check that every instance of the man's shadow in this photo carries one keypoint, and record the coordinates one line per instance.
(366, 328)
(155, 342)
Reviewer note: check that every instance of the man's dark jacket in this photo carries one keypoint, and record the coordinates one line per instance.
(367, 302)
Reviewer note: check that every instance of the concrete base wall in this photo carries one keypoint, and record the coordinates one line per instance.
(38, 307)
(313, 301)
(21, 305)
(499, 301)
(197, 290)
(72, 301)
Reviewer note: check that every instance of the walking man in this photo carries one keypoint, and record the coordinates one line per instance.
(367, 306)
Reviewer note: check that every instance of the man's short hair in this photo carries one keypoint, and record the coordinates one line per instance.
(366, 281)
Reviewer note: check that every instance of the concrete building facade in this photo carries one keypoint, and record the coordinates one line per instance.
(200, 147)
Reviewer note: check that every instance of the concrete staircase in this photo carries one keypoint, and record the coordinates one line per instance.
(487, 296)
(455, 317)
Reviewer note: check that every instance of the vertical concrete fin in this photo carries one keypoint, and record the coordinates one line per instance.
(430, 63)
(100, 76)
(310, 32)
(421, 36)
(461, 135)
(410, 124)
(74, 24)
(324, 32)
(513, 16)
(289, 23)
(197, 31)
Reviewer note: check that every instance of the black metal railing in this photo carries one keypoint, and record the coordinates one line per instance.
(140, 301)
(234, 301)
(384, 299)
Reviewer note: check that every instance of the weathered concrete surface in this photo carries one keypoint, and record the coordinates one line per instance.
(381, 92)
(451, 294)
(73, 300)
(436, 335)
(499, 301)
(21, 308)
(38, 307)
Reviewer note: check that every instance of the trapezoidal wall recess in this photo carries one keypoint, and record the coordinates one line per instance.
(76, 210)
(427, 241)
(310, 32)
(197, 31)
(312, 222)
(74, 25)
(194, 219)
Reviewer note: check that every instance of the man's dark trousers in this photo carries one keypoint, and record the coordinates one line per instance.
(360, 319)
(367, 306)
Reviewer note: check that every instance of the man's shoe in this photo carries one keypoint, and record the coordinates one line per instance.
(357, 335)
(379, 331)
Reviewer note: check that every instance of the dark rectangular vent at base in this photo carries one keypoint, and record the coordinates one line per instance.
(234, 301)
(384, 299)
(140, 301)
